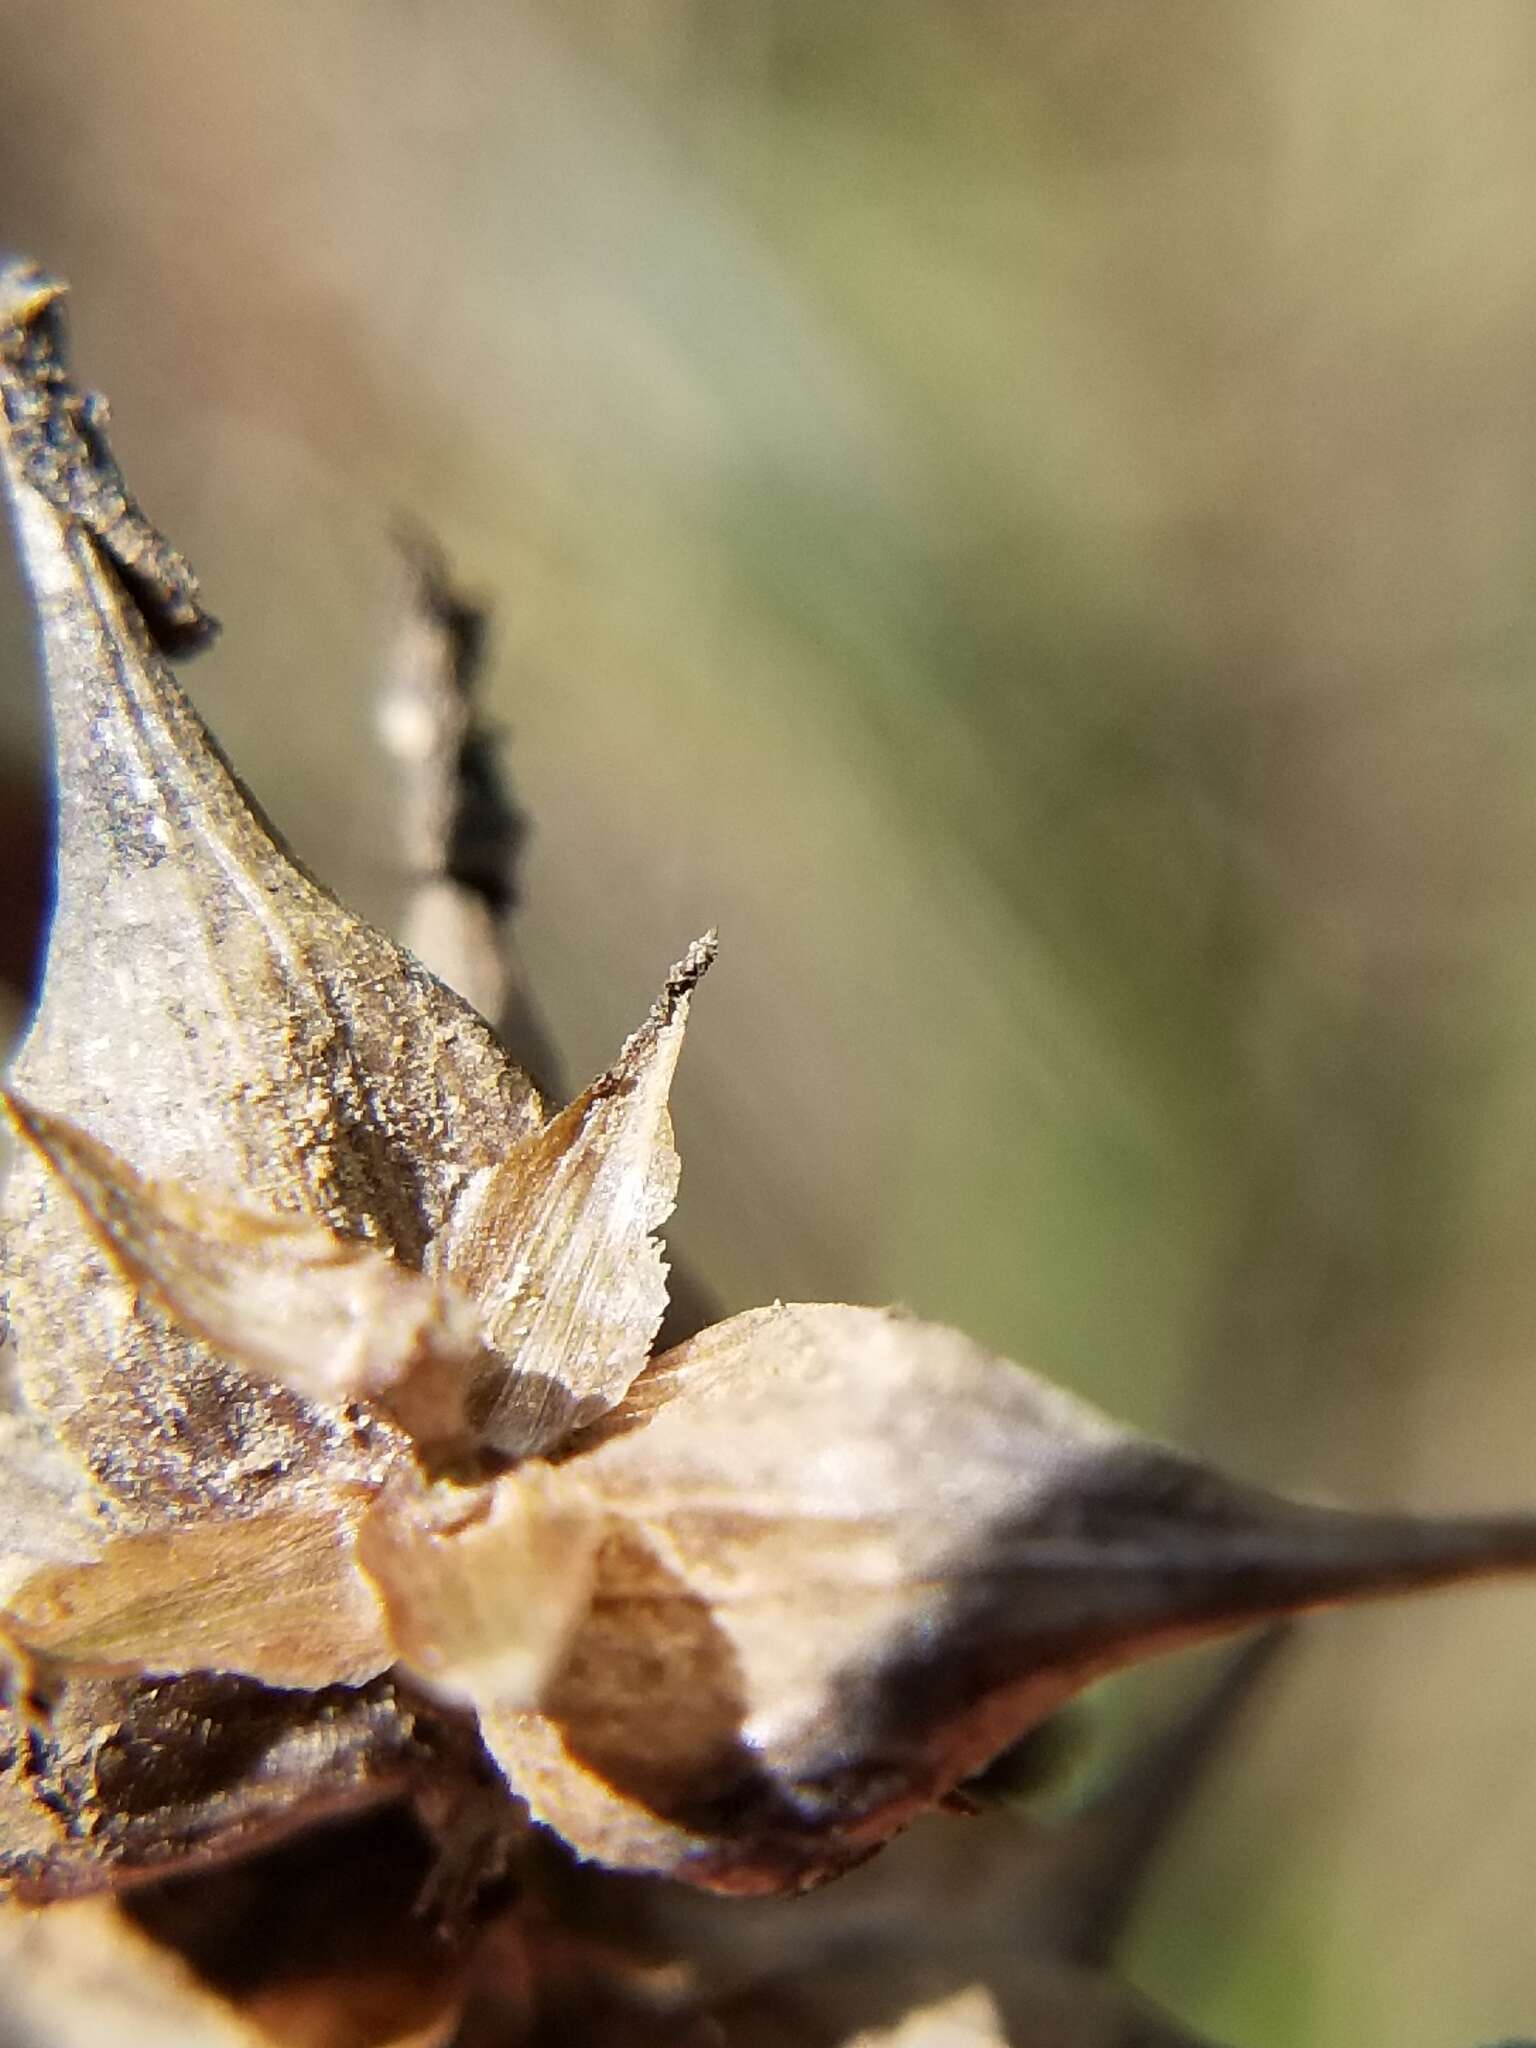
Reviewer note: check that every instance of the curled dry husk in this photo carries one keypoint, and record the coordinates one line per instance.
(331, 1347)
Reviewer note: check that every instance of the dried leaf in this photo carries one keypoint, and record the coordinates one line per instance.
(852, 1556)
(276, 1597)
(285, 1297)
(555, 1242)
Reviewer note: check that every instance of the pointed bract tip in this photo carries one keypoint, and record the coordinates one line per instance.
(26, 289)
(64, 1147)
(686, 975)
(27, 1122)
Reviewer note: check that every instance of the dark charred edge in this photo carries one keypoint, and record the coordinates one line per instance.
(66, 425)
(685, 977)
(680, 983)
(180, 629)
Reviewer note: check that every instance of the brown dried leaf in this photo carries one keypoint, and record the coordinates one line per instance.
(852, 1556)
(281, 1295)
(555, 1241)
(277, 1597)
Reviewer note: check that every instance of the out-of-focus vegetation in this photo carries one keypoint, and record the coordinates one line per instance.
(1026, 516)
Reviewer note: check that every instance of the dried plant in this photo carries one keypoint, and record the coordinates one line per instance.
(340, 1479)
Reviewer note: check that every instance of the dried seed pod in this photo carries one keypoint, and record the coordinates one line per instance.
(331, 1449)
(851, 1556)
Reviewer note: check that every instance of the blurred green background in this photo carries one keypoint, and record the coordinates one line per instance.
(1024, 515)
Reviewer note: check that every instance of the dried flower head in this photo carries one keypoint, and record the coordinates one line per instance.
(335, 1463)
